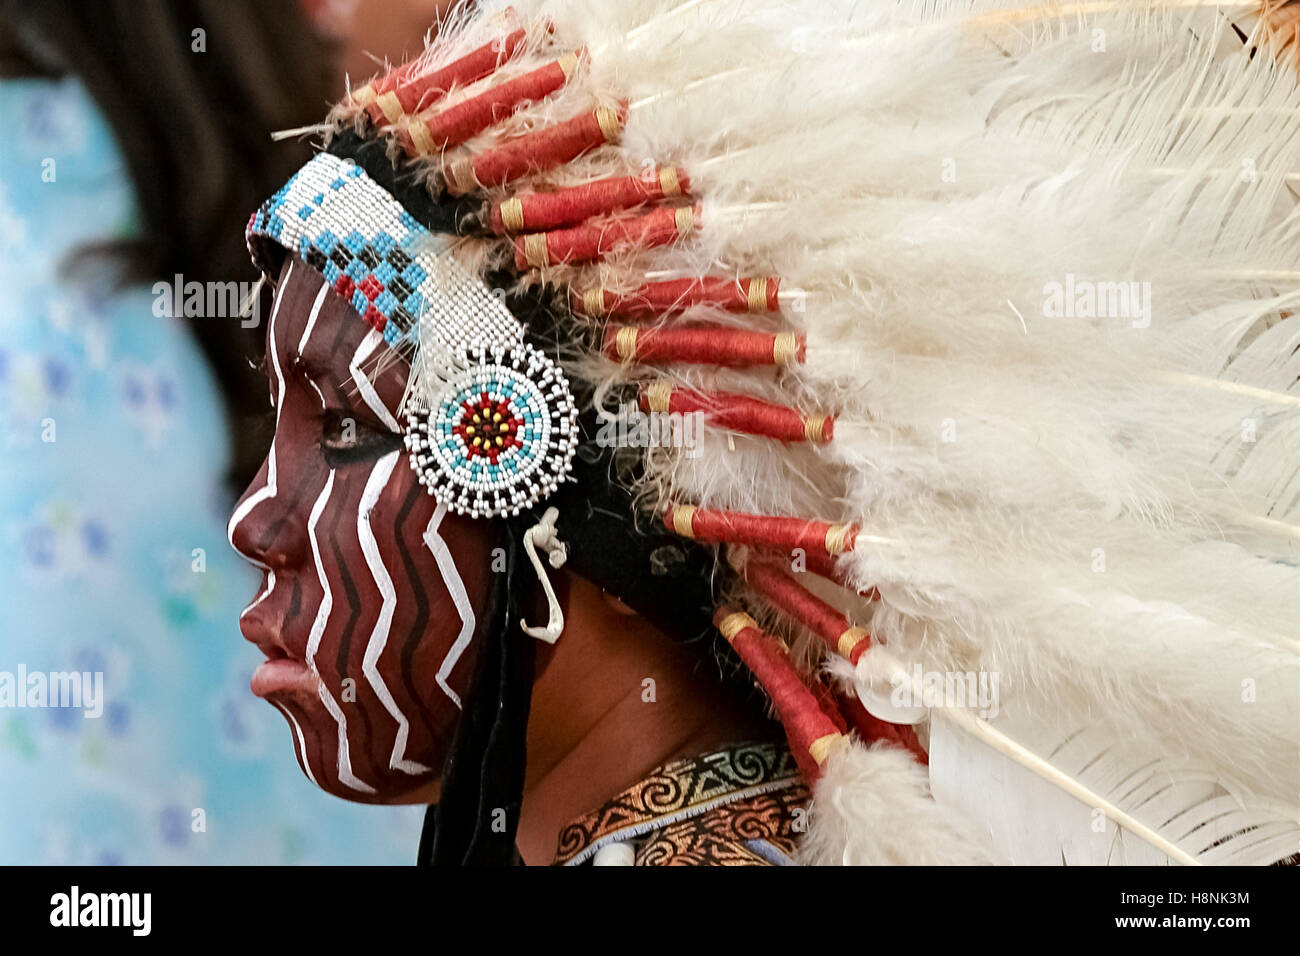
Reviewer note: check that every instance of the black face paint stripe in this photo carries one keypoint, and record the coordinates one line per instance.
(415, 593)
(295, 601)
(291, 508)
(354, 615)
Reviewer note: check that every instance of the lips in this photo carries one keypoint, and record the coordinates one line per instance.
(282, 676)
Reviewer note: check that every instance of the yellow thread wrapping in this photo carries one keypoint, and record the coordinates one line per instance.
(391, 107)
(610, 125)
(821, 748)
(684, 520)
(658, 395)
(364, 95)
(625, 342)
(568, 63)
(685, 218)
(758, 294)
(512, 215)
(420, 137)
(851, 639)
(837, 538)
(785, 349)
(731, 625)
(668, 181)
(536, 254)
(461, 173)
(593, 303)
(813, 427)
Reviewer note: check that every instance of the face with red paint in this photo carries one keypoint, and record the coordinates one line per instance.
(370, 590)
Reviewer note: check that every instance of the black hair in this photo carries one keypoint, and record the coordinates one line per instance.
(194, 126)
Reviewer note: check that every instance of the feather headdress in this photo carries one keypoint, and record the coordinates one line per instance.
(989, 310)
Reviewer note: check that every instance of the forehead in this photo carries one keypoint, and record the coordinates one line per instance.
(315, 329)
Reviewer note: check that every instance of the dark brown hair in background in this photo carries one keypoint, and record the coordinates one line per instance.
(195, 131)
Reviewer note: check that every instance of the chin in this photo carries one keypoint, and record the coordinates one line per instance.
(402, 792)
(359, 767)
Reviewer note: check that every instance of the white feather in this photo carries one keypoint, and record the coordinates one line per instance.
(1090, 802)
(872, 807)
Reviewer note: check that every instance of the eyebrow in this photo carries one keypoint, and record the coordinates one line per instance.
(300, 365)
(345, 388)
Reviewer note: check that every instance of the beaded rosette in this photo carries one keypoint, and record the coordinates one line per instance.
(492, 426)
(501, 437)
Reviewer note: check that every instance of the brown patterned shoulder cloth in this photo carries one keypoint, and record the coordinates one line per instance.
(742, 806)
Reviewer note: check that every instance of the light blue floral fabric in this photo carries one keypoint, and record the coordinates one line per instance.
(114, 559)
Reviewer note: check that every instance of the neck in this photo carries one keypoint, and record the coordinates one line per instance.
(614, 700)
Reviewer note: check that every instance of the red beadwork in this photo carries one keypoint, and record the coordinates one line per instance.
(484, 436)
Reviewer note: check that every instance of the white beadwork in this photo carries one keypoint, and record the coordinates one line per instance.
(528, 414)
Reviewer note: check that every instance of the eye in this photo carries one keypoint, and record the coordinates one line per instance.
(346, 438)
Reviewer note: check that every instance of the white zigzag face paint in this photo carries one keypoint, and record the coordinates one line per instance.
(372, 591)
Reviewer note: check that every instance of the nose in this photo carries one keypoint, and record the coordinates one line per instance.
(262, 528)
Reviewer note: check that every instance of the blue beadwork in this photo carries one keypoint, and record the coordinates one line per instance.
(499, 438)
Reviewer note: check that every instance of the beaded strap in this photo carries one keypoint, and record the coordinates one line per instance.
(375, 255)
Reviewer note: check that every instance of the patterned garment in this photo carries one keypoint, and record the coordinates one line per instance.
(743, 806)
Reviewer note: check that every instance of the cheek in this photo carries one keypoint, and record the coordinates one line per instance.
(439, 568)
(422, 579)
(451, 570)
